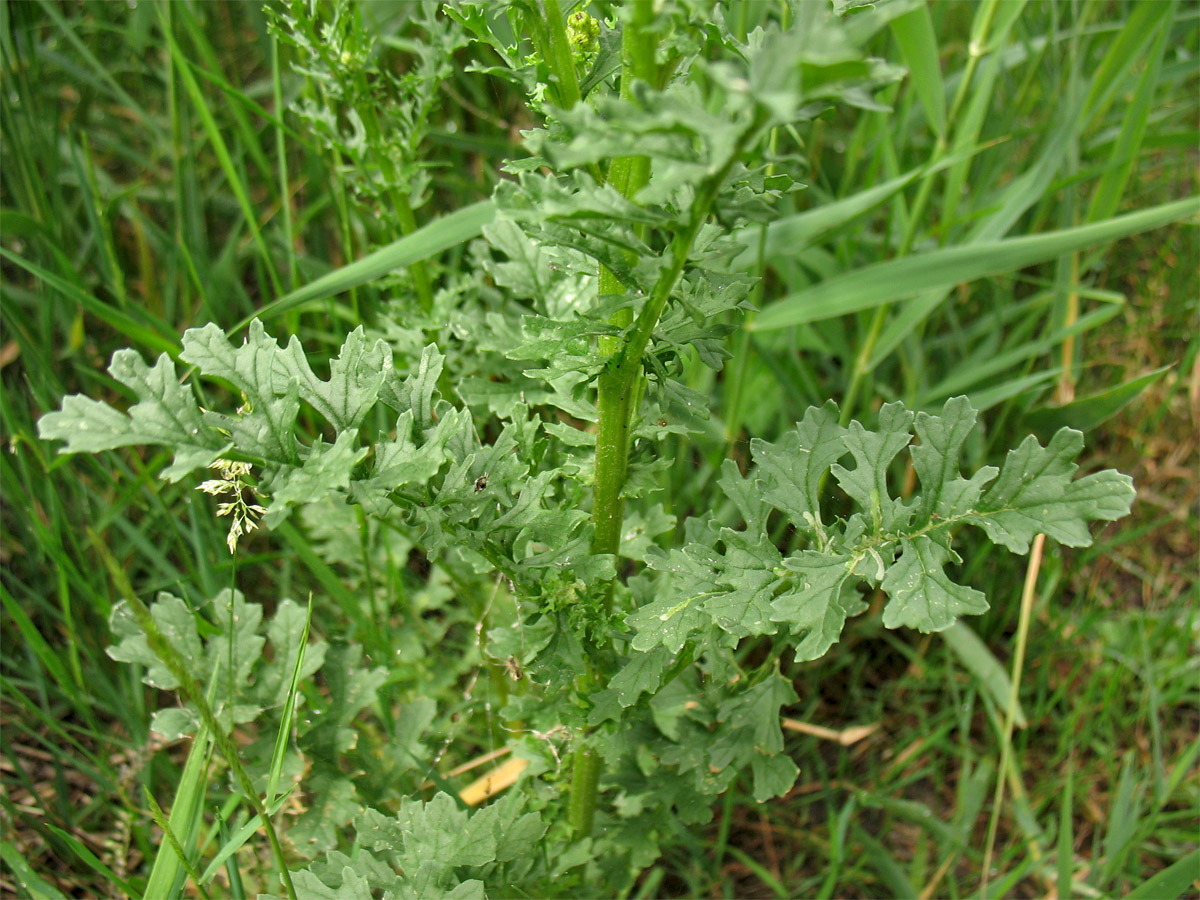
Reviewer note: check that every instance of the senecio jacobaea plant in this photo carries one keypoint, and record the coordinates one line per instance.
(510, 451)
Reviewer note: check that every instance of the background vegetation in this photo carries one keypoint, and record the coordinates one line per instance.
(171, 164)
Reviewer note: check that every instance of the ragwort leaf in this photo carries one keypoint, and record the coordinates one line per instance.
(922, 596)
(873, 452)
(327, 468)
(177, 624)
(1034, 493)
(901, 545)
(355, 378)
(818, 608)
(790, 471)
(166, 414)
(945, 493)
(267, 426)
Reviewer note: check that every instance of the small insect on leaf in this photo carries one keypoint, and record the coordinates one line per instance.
(480, 483)
(513, 666)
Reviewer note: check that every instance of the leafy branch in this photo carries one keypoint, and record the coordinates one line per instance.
(900, 545)
(609, 263)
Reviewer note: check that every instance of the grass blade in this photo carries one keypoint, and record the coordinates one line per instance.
(1125, 150)
(442, 234)
(898, 279)
(1109, 77)
(36, 642)
(1065, 852)
(94, 863)
(791, 233)
(237, 889)
(167, 874)
(982, 663)
(27, 879)
(103, 75)
(187, 866)
(885, 865)
(125, 323)
(1086, 413)
(1171, 882)
(236, 184)
(289, 709)
(914, 35)
(236, 840)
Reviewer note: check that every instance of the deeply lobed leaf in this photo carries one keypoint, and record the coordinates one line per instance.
(900, 544)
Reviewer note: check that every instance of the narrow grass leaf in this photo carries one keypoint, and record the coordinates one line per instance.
(968, 124)
(1088, 412)
(236, 99)
(27, 879)
(281, 163)
(1172, 882)
(837, 850)
(104, 77)
(1184, 766)
(898, 279)
(985, 399)
(1065, 850)
(913, 33)
(238, 839)
(33, 638)
(167, 874)
(1124, 814)
(972, 793)
(791, 233)
(237, 890)
(915, 812)
(974, 370)
(1141, 27)
(1124, 154)
(994, 19)
(93, 206)
(160, 819)
(1030, 188)
(285, 725)
(429, 240)
(220, 148)
(911, 314)
(881, 860)
(761, 871)
(1002, 888)
(136, 331)
(93, 862)
(982, 663)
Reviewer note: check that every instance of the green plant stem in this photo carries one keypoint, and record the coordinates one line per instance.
(616, 383)
(420, 271)
(558, 56)
(285, 202)
(170, 658)
(550, 36)
(585, 784)
(1028, 595)
(629, 174)
(617, 389)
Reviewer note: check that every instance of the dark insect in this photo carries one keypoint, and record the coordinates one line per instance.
(480, 483)
(513, 666)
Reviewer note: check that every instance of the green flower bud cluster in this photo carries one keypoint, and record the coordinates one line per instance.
(583, 33)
